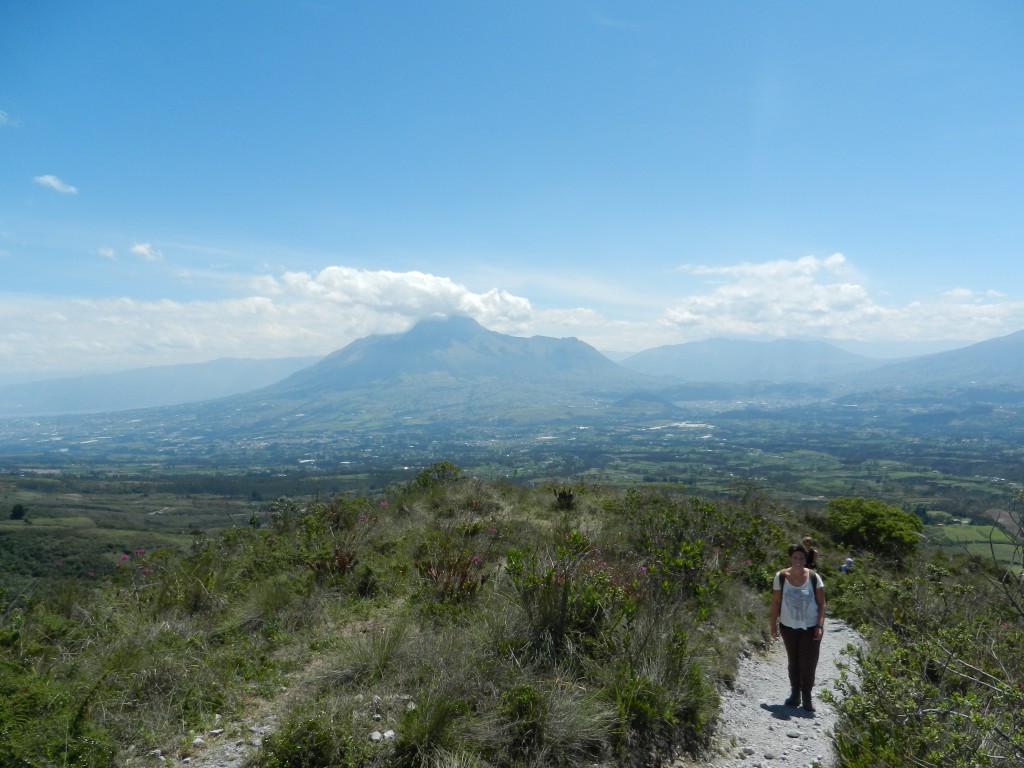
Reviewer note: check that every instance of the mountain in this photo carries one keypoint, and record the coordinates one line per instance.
(736, 361)
(455, 364)
(457, 350)
(451, 382)
(991, 363)
(441, 369)
(145, 387)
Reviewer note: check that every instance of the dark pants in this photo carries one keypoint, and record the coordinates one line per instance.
(802, 650)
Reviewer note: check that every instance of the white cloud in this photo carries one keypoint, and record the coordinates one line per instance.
(301, 313)
(107, 253)
(146, 251)
(827, 298)
(5, 119)
(806, 296)
(412, 294)
(55, 184)
(292, 314)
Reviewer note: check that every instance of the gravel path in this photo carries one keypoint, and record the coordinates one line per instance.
(758, 730)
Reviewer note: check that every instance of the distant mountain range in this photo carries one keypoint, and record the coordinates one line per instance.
(455, 366)
(734, 361)
(145, 387)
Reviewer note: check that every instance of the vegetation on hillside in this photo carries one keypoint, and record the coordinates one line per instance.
(485, 623)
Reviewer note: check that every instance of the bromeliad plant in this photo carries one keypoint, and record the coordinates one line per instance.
(457, 558)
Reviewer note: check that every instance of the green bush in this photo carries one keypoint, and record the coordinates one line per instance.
(429, 729)
(322, 741)
(872, 525)
(570, 597)
(942, 680)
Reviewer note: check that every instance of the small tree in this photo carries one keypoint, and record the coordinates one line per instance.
(438, 475)
(18, 512)
(875, 526)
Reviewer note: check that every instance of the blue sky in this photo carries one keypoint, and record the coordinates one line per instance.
(183, 181)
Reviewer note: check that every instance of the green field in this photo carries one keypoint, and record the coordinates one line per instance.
(983, 541)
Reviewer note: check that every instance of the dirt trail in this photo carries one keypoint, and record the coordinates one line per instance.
(756, 729)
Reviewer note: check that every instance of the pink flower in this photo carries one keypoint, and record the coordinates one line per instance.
(59, 564)
(140, 552)
(124, 557)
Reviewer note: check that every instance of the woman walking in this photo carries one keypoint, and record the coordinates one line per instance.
(812, 553)
(798, 611)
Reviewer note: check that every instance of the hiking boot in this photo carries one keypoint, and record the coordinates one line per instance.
(807, 705)
(794, 699)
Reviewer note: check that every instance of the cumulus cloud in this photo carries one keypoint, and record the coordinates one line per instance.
(291, 314)
(146, 251)
(806, 296)
(107, 253)
(411, 294)
(825, 297)
(55, 184)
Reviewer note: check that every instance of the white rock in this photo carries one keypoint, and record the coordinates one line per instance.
(376, 736)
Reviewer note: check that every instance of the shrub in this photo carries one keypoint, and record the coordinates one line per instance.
(324, 740)
(570, 598)
(689, 547)
(872, 525)
(550, 725)
(664, 699)
(455, 561)
(942, 682)
(429, 729)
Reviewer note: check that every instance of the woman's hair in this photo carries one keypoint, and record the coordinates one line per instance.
(796, 548)
(807, 538)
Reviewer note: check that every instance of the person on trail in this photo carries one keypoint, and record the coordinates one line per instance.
(812, 553)
(848, 566)
(798, 611)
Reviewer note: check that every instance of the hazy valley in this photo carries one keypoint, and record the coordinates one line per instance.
(941, 431)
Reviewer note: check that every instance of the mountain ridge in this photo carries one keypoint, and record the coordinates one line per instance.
(453, 361)
(736, 361)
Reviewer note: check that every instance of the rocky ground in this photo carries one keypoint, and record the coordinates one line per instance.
(756, 730)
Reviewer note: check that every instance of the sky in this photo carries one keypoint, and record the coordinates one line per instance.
(190, 180)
